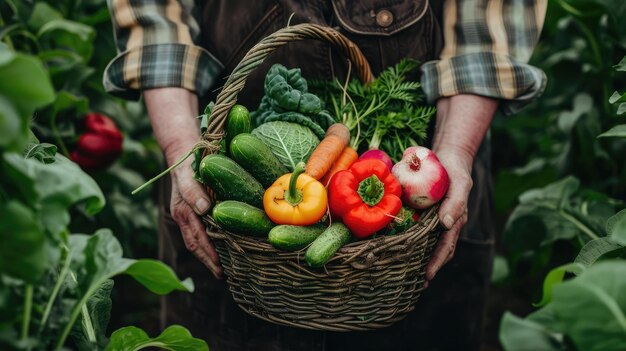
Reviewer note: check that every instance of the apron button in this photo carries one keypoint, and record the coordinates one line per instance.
(384, 18)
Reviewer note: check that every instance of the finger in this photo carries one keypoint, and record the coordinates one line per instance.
(194, 234)
(460, 223)
(445, 248)
(455, 203)
(192, 192)
(206, 251)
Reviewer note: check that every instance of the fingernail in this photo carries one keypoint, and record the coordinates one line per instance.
(448, 221)
(202, 205)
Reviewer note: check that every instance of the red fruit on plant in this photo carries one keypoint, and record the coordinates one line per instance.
(424, 180)
(100, 145)
(101, 124)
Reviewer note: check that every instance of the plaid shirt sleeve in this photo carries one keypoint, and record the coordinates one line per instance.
(156, 47)
(487, 46)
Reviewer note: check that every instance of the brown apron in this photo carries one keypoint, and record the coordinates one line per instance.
(449, 313)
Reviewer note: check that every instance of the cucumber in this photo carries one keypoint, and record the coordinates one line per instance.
(255, 157)
(229, 181)
(238, 122)
(293, 237)
(241, 218)
(325, 246)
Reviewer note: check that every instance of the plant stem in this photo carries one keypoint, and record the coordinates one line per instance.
(57, 287)
(579, 225)
(87, 324)
(57, 135)
(293, 195)
(181, 160)
(28, 306)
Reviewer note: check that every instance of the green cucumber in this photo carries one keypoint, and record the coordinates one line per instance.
(229, 181)
(241, 218)
(238, 122)
(293, 237)
(255, 157)
(325, 246)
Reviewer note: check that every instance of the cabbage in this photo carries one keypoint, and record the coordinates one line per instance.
(290, 142)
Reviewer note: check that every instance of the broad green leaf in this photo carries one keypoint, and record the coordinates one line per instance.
(157, 277)
(590, 308)
(97, 258)
(517, 334)
(101, 255)
(65, 33)
(42, 14)
(549, 214)
(616, 227)
(44, 153)
(554, 277)
(90, 331)
(599, 248)
(24, 87)
(23, 251)
(290, 142)
(621, 109)
(174, 338)
(54, 188)
(618, 131)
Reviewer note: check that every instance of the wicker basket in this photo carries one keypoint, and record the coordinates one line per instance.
(368, 284)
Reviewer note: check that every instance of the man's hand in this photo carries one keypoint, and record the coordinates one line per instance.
(172, 114)
(462, 122)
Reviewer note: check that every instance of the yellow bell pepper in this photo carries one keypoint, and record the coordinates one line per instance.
(296, 199)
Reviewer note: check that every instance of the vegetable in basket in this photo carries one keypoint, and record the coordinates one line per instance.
(291, 143)
(366, 197)
(241, 218)
(328, 151)
(424, 180)
(255, 157)
(327, 244)
(229, 181)
(287, 99)
(294, 237)
(296, 198)
(238, 122)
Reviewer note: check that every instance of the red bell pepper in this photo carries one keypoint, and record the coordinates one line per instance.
(100, 145)
(365, 197)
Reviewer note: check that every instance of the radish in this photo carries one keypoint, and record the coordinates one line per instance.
(424, 180)
(379, 155)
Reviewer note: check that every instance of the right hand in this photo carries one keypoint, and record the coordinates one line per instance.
(172, 113)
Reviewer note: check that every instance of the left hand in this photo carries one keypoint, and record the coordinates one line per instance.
(462, 122)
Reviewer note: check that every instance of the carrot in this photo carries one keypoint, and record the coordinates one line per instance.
(345, 160)
(326, 153)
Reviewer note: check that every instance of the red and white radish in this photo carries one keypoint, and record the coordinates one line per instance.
(379, 155)
(424, 180)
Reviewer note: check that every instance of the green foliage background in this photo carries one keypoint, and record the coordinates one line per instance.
(559, 168)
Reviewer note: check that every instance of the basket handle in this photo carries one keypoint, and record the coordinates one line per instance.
(253, 59)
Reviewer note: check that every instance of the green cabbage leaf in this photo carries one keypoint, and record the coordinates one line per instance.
(290, 142)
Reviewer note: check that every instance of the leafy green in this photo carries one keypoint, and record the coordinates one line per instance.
(290, 142)
(287, 99)
(556, 212)
(55, 186)
(22, 253)
(90, 331)
(591, 308)
(598, 249)
(517, 334)
(385, 114)
(174, 338)
(618, 131)
(555, 277)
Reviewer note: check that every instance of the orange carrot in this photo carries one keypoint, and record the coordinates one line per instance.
(345, 160)
(326, 153)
